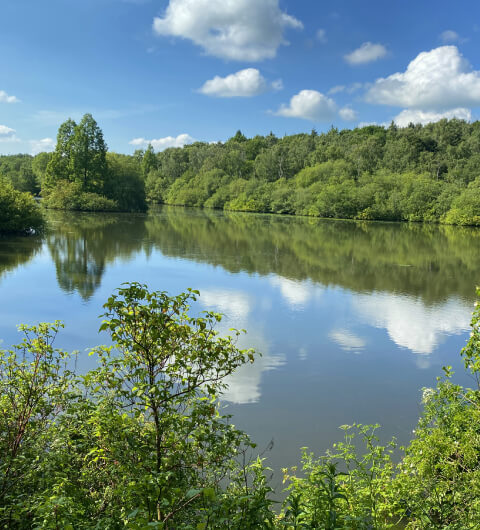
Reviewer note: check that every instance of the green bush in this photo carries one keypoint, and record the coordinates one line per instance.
(140, 442)
(466, 207)
(19, 212)
(69, 196)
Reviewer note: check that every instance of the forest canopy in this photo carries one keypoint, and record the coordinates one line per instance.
(416, 173)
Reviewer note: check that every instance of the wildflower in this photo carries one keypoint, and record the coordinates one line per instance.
(427, 395)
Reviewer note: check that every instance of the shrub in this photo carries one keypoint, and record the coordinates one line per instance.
(19, 212)
(69, 196)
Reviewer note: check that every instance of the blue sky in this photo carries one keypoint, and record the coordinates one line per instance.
(171, 71)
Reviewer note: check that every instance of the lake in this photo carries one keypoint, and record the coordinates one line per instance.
(352, 318)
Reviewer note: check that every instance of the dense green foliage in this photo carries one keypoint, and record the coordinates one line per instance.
(70, 196)
(79, 157)
(417, 173)
(20, 171)
(140, 442)
(81, 175)
(19, 212)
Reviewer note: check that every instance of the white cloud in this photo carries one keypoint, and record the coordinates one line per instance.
(321, 36)
(440, 79)
(309, 105)
(336, 89)
(350, 89)
(6, 132)
(242, 30)
(354, 87)
(412, 324)
(43, 145)
(245, 83)
(161, 144)
(277, 85)
(348, 114)
(347, 340)
(449, 36)
(5, 98)
(367, 53)
(419, 116)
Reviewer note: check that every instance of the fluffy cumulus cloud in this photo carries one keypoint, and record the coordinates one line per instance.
(420, 116)
(242, 30)
(309, 105)
(43, 145)
(438, 80)
(245, 83)
(8, 134)
(5, 98)
(367, 53)
(348, 114)
(160, 144)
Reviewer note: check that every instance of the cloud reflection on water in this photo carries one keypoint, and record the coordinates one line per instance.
(244, 386)
(347, 340)
(412, 324)
(296, 293)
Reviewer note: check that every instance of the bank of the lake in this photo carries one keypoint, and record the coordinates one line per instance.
(352, 318)
(417, 173)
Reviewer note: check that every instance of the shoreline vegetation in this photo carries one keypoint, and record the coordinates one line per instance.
(418, 173)
(19, 213)
(140, 441)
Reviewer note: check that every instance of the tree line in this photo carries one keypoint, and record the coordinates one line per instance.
(418, 173)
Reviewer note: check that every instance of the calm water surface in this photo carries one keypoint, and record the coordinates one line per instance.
(352, 319)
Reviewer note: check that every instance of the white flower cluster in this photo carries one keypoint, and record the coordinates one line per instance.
(427, 395)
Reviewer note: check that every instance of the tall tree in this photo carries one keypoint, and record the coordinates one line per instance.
(59, 166)
(80, 156)
(149, 161)
(89, 163)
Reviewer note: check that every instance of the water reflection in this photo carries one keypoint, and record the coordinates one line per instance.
(347, 340)
(81, 245)
(430, 262)
(295, 293)
(16, 251)
(244, 385)
(412, 324)
(336, 308)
